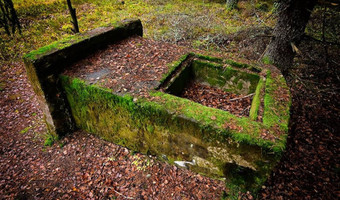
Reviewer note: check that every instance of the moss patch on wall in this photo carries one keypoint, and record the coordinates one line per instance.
(277, 102)
(226, 78)
(253, 114)
(224, 124)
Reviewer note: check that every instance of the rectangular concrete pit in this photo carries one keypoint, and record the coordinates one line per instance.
(216, 78)
(211, 141)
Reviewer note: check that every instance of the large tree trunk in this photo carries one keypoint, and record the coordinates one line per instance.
(291, 24)
(231, 4)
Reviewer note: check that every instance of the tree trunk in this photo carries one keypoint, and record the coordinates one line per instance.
(9, 16)
(231, 4)
(291, 24)
(74, 17)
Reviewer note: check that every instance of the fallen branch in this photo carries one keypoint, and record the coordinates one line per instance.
(249, 95)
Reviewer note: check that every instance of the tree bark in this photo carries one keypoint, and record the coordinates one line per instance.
(231, 4)
(74, 17)
(291, 24)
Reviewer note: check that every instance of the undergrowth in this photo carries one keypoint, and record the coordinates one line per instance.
(199, 23)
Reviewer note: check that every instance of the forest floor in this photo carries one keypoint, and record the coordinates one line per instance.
(82, 166)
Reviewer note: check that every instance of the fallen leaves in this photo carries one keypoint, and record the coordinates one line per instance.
(217, 98)
(134, 65)
(307, 168)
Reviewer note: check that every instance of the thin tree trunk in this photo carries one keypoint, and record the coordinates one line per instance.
(4, 21)
(74, 17)
(9, 16)
(291, 24)
(14, 17)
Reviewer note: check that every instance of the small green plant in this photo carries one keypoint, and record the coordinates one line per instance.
(140, 163)
(266, 60)
(50, 139)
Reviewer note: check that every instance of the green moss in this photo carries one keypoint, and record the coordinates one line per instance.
(236, 64)
(61, 44)
(208, 58)
(137, 125)
(266, 60)
(255, 105)
(25, 130)
(276, 108)
(50, 139)
(269, 118)
(150, 128)
(173, 66)
(226, 78)
(243, 66)
(214, 119)
(247, 131)
(66, 42)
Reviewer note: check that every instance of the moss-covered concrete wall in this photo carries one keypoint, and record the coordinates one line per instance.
(44, 65)
(152, 127)
(226, 78)
(267, 124)
(217, 143)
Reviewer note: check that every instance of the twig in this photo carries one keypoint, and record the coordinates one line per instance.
(249, 95)
(258, 17)
(244, 110)
(120, 194)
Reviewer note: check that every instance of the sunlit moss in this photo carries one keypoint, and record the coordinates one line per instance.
(253, 113)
